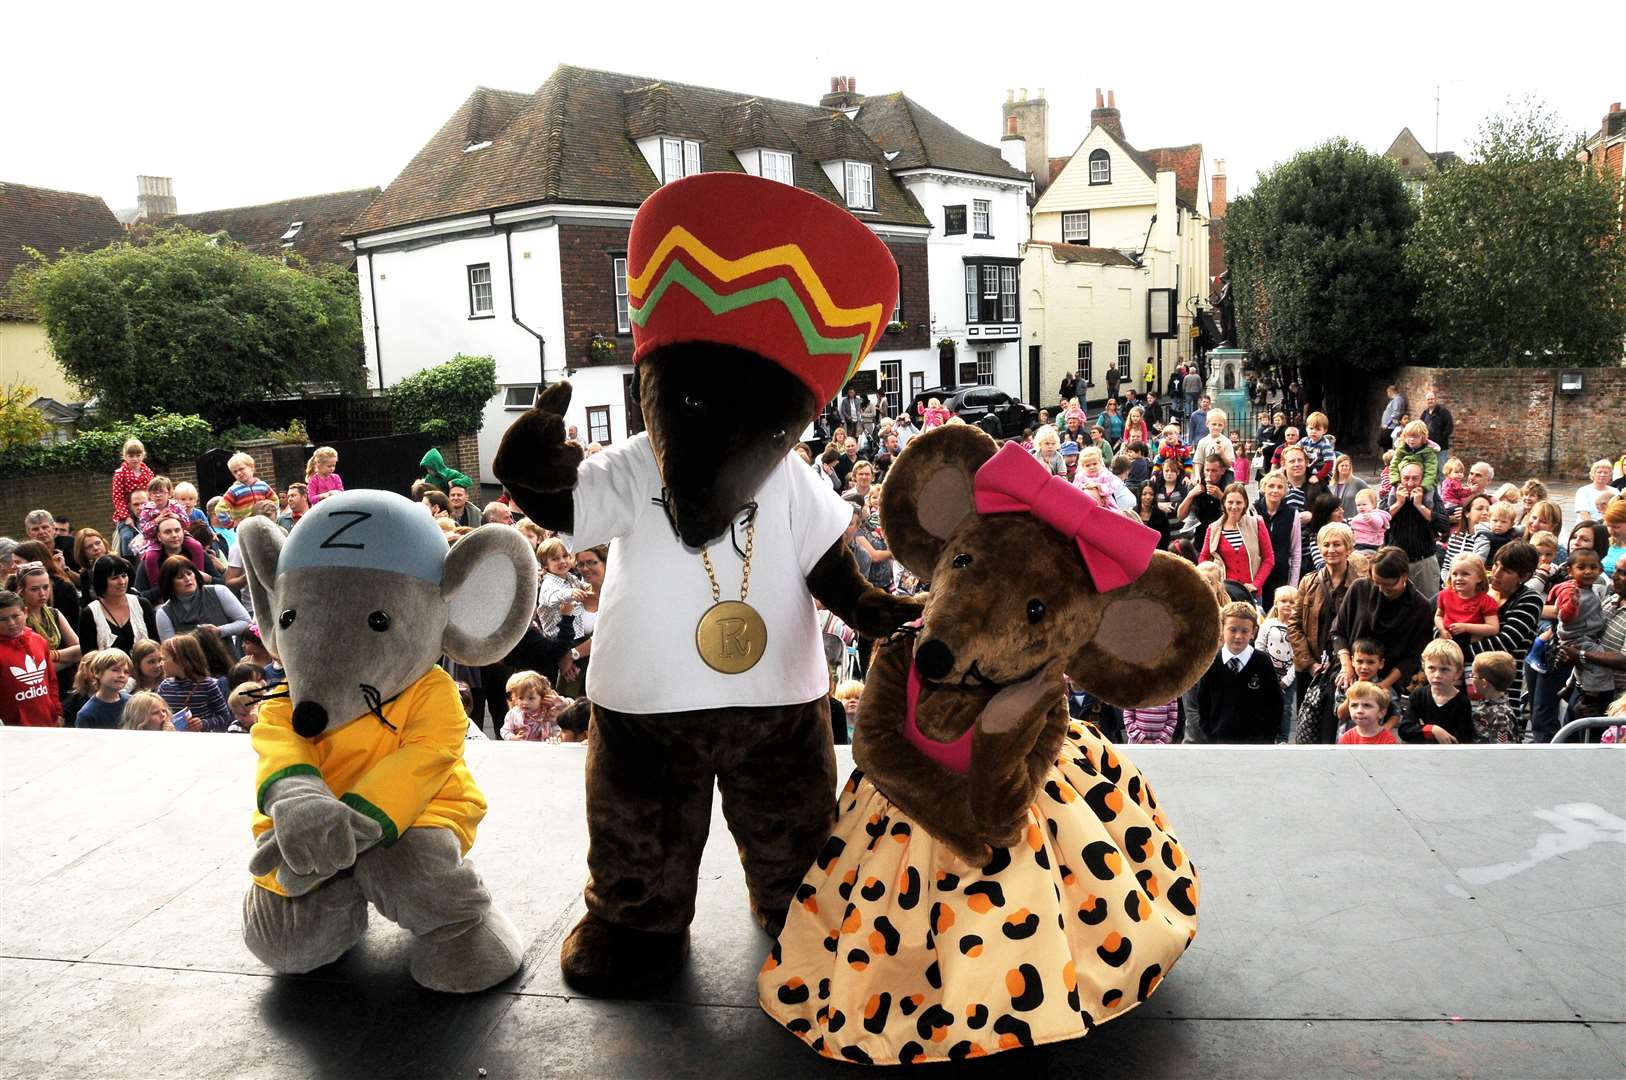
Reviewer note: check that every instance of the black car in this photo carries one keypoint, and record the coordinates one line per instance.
(987, 407)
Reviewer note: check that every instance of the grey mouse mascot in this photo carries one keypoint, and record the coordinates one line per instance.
(361, 790)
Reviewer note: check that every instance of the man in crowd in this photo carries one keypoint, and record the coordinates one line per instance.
(1415, 517)
(1206, 501)
(1114, 377)
(462, 511)
(1438, 419)
(1392, 412)
(1197, 424)
(1193, 388)
(497, 513)
(852, 413)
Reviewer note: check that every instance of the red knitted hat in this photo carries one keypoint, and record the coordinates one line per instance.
(761, 265)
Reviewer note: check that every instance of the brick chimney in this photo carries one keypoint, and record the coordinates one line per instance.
(1216, 200)
(1028, 119)
(1106, 115)
(155, 197)
(843, 94)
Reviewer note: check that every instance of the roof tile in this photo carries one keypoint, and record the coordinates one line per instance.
(48, 221)
(323, 218)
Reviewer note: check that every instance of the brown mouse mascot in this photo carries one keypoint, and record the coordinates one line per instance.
(752, 302)
(999, 876)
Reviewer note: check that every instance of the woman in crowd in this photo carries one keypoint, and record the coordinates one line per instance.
(1240, 542)
(193, 696)
(188, 604)
(1322, 592)
(1171, 487)
(1325, 509)
(32, 581)
(146, 666)
(1111, 422)
(116, 618)
(1466, 534)
(1519, 613)
(1584, 536)
(591, 564)
(1544, 516)
(1591, 498)
(88, 546)
(1387, 609)
(1047, 449)
(1153, 516)
(64, 593)
(1345, 484)
(1286, 538)
(1069, 387)
(1614, 517)
(172, 542)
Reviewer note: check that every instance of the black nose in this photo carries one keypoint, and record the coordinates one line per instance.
(934, 659)
(310, 719)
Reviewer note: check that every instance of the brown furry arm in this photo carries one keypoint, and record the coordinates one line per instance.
(839, 586)
(537, 465)
(1016, 740)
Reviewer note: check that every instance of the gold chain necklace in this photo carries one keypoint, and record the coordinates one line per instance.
(731, 636)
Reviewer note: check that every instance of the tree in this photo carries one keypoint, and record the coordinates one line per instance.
(191, 324)
(446, 400)
(1519, 251)
(1318, 277)
(20, 423)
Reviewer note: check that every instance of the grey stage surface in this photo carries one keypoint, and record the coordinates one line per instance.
(1366, 912)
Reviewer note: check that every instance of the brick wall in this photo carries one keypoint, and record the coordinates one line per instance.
(1504, 416)
(587, 270)
(917, 297)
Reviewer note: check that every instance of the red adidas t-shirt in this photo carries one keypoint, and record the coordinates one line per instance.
(28, 690)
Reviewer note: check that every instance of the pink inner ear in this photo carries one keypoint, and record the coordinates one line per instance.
(1134, 629)
(945, 500)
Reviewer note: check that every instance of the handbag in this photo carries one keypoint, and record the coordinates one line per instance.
(1317, 719)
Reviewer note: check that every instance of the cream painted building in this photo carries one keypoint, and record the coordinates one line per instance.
(1118, 260)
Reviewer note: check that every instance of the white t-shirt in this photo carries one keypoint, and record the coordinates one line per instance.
(656, 590)
(1586, 499)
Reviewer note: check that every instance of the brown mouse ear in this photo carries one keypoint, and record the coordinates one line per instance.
(1155, 638)
(928, 492)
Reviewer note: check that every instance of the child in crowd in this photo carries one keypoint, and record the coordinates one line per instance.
(1171, 448)
(1546, 545)
(1370, 523)
(1455, 490)
(575, 722)
(1239, 699)
(195, 699)
(131, 475)
(1154, 724)
(1439, 709)
(1275, 638)
(254, 651)
(1500, 528)
(1465, 611)
(320, 478)
(1213, 575)
(533, 708)
(1415, 447)
(146, 711)
(158, 494)
(28, 688)
(1318, 446)
(932, 414)
(850, 693)
(1493, 673)
(1531, 492)
(103, 676)
(244, 706)
(1581, 621)
(244, 671)
(1367, 656)
(186, 508)
(1216, 441)
(562, 591)
(241, 497)
(1368, 704)
(146, 666)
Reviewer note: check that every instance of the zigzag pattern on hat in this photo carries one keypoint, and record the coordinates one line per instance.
(665, 269)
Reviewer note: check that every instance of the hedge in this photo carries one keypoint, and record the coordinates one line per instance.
(167, 437)
(447, 400)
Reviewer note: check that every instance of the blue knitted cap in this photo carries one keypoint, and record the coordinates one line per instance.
(367, 530)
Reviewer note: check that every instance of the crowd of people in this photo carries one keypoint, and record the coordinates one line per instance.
(1420, 602)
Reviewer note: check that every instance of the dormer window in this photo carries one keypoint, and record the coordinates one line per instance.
(1100, 167)
(860, 186)
(293, 231)
(679, 158)
(473, 146)
(776, 166)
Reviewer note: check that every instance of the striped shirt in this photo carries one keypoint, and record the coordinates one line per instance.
(1232, 537)
(1476, 542)
(1613, 637)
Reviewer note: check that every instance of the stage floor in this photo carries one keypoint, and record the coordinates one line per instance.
(1366, 912)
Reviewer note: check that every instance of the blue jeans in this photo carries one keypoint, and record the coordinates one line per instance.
(1544, 695)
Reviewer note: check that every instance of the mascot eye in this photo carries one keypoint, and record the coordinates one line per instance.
(694, 403)
(779, 437)
(286, 619)
(379, 620)
(961, 561)
(1035, 610)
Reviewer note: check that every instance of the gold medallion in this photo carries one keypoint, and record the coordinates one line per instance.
(731, 637)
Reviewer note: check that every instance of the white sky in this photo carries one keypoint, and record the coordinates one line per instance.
(256, 102)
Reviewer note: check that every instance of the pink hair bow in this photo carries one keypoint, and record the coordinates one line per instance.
(1116, 549)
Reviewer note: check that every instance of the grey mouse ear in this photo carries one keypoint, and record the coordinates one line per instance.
(490, 591)
(261, 540)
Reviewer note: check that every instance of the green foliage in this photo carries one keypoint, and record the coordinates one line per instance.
(447, 400)
(20, 423)
(238, 434)
(1519, 252)
(168, 438)
(185, 323)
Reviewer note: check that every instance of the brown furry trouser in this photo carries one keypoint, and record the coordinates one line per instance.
(649, 784)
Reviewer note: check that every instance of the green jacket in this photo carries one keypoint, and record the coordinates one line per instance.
(441, 474)
(1426, 456)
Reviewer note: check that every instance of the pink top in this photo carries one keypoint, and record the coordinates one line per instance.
(318, 486)
(931, 418)
(1370, 527)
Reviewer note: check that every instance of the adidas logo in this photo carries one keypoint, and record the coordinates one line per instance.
(32, 673)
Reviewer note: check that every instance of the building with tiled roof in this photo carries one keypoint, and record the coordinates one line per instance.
(506, 233)
(1119, 263)
(49, 222)
(1416, 165)
(312, 226)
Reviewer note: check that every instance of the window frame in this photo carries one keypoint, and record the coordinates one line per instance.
(892, 380)
(866, 171)
(985, 367)
(777, 155)
(1086, 362)
(618, 282)
(510, 405)
(596, 415)
(1007, 294)
(1066, 238)
(1125, 360)
(985, 208)
(490, 310)
(684, 158)
(987, 300)
(1106, 167)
